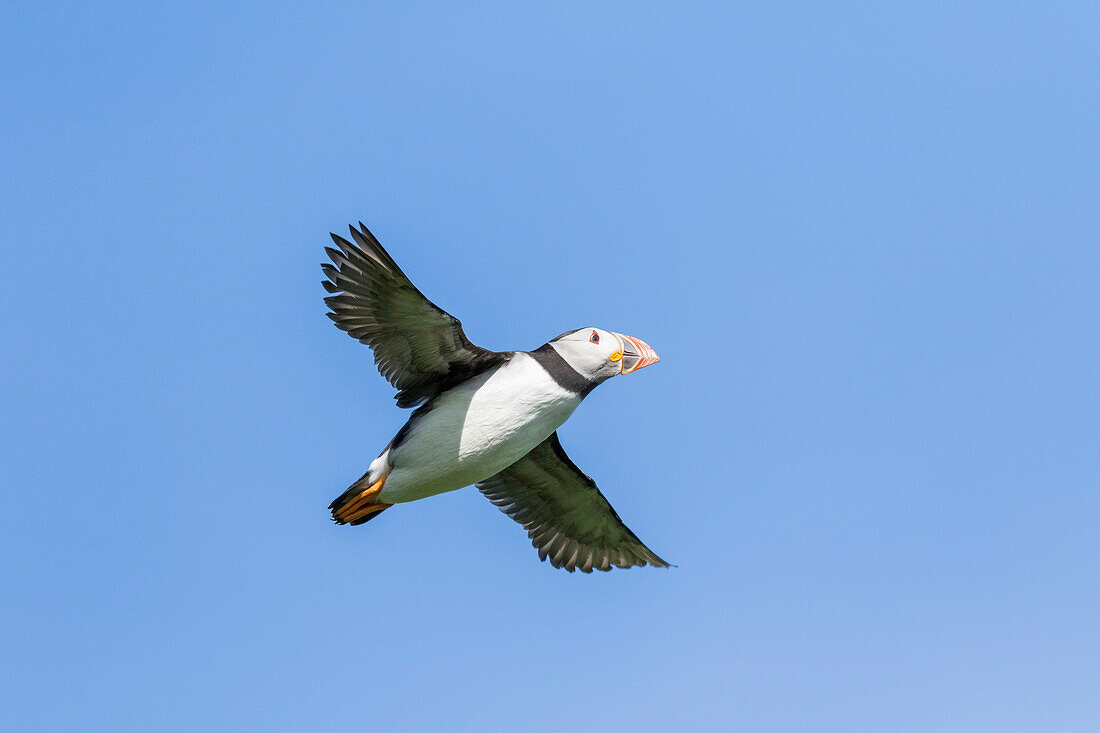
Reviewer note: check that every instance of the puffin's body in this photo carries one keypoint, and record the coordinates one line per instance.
(475, 430)
(485, 418)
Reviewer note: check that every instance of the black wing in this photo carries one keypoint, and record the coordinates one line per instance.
(418, 347)
(565, 515)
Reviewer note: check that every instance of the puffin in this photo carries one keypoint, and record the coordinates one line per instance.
(483, 418)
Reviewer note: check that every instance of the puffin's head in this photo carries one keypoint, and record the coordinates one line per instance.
(599, 354)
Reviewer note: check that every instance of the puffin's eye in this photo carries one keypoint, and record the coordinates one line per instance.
(594, 338)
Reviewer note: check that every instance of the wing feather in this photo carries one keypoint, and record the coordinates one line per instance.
(567, 518)
(420, 348)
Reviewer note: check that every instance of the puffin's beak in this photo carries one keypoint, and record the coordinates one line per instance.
(636, 354)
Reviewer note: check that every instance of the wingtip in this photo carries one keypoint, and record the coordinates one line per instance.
(660, 562)
(367, 233)
(333, 254)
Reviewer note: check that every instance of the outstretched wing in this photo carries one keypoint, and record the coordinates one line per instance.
(418, 347)
(565, 515)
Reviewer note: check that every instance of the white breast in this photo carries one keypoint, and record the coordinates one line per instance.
(478, 429)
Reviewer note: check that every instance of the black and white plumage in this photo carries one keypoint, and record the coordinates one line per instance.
(484, 417)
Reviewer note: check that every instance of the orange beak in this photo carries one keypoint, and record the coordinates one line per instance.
(636, 354)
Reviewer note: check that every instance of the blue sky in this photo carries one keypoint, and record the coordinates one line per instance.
(863, 240)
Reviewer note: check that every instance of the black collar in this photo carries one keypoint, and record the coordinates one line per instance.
(566, 376)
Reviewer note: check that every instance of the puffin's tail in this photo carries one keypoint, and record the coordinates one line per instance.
(359, 503)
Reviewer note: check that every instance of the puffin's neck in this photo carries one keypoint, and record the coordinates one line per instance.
(560, 370)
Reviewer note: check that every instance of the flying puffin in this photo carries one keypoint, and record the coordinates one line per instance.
(482, 417)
